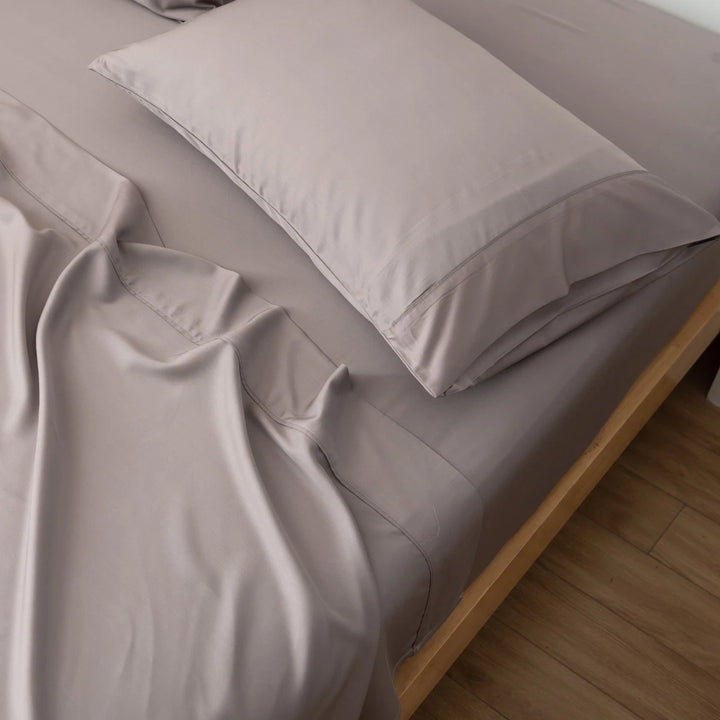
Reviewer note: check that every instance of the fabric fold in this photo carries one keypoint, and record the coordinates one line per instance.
(182, 471)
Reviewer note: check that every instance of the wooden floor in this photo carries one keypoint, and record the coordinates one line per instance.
(620, 616)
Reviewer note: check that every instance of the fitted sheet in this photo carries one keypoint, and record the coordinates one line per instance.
(513, 436)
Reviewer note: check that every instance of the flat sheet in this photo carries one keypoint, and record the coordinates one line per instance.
(178, 464)
(511, 437)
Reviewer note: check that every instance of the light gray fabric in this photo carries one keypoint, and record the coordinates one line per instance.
(470, 218)
(514, 435)
(178, 464)
(181, 9)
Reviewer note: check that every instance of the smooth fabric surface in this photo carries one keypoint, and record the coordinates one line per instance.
(514, 435)
(175, 459)
(470, 218)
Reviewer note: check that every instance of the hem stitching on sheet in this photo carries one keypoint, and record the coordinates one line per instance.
(57, 213)
(281, 421)
(46, 205)
(199, 341)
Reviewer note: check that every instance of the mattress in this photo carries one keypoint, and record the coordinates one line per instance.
(511, 437)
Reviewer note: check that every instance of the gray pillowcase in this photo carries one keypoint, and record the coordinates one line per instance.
(469, 217)
(181, 9)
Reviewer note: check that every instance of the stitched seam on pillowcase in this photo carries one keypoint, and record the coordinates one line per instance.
(565, 198)
(409, 236)
(418, 371)
(634, 286)
(487, 262)
(143, 99)
(281, 421)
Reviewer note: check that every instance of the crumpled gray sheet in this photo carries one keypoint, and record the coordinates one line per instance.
(177, 464)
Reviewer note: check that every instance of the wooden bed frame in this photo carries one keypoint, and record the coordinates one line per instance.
(418, 675)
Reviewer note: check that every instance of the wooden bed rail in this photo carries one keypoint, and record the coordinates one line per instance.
(418, 675)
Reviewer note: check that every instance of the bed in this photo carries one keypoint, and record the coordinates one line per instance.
(491, 455)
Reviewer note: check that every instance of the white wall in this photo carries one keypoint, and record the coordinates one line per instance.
(700, 12)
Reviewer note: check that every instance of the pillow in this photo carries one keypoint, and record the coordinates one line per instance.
(180, 9)
(469, 217)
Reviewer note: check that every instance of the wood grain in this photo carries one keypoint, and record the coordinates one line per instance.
(454, 702)
(615, 656)
(511, 674)
(638, 588)
(632, 508)
(674, 457)
(679, 449)
(691, 546)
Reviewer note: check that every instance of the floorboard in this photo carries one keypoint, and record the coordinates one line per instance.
(452, 701)
(691, 546)
(519, 680)
(639, 589)
(632, 508)
(677, 464)
(615, 656)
